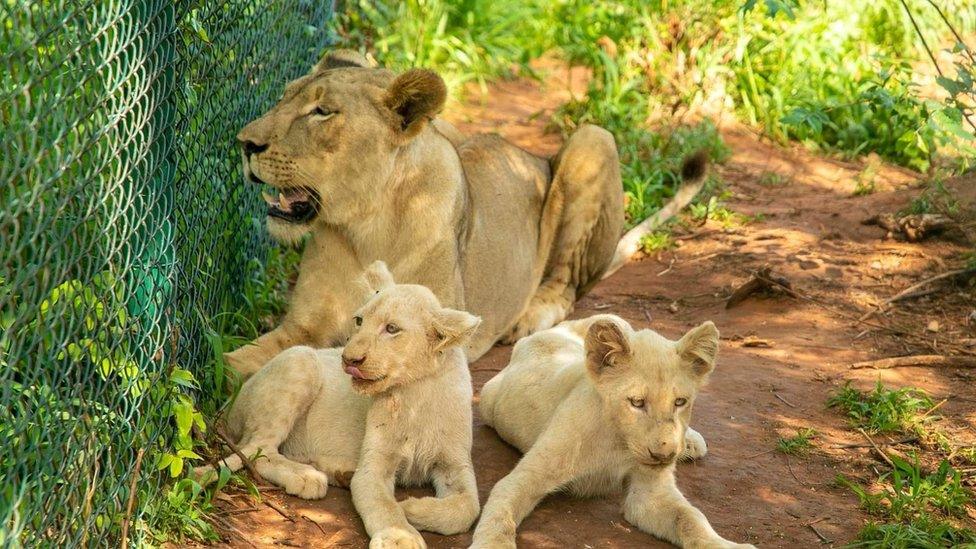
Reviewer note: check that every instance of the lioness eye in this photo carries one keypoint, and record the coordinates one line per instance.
(679, 402)
(392, 329)
(319, 111)
(358, 320)
(637, 403)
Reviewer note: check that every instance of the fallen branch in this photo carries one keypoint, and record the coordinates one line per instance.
(823, 539)
(280, 510)
(917, 361)
(913, 290)
(763, 279)
(892, 443)
(913, 227)
(788, 403)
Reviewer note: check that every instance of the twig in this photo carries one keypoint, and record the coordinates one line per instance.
(788, 403)
(697, 234)
(248, 464)
(892, 443)
(238, 511)
(315, 522)
(935, 407)
(876, 449)
(823, 539)
(132, 498)
(665, 271)
(910, 291)
(955, 33)
(276, 507)
(917, 360)
(790, 467)
(762, 453)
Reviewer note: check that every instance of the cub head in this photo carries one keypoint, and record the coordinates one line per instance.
(332, 139)
(400, 331)
(648, 383)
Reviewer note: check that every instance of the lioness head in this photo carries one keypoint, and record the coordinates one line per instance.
(648, 383)
(333, 138)
(399, 332)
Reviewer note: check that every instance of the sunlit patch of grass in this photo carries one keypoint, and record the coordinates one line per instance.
(915, 509)
(657, 241)
(883, 410)
(773, 179)
(798, 444)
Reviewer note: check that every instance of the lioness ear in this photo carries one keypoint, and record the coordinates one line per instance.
(453, 328)
(415, 97)
(605, 344)
(337, 59)
(377, 277)
(699, 348)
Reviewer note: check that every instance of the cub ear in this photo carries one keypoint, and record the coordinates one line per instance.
(415, 97)
(699, 348)
(453, 328)
(337, 59)
(605, 344)
(377, 277)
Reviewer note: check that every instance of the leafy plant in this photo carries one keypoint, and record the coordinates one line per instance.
(798, 444)
(883, 410)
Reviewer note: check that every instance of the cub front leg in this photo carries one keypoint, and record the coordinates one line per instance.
(656, 506)
(549, 464)
(456, 506)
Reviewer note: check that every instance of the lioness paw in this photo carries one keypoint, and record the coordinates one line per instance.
(537, 317)
(397, 538)
(308, 484)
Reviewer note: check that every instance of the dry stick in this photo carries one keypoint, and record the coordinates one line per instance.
(132, 498)
(244, 459)
(280, 510)
(790, 467)
(788, 403)
(917, 360)
(935, 407)
(955, 33)
(928, 50)
(892, 443)
(823, 539)
(316, 523)
(876, 449)
(908, 292)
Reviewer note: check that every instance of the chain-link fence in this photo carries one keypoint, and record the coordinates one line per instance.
(125, 226)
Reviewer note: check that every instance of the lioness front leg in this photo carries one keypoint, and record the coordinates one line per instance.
(655, 505)
(549, 464)
(581, 223)
(456, 506)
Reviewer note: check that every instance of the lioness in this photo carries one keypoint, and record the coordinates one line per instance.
(354, 158)
(595, 407)
(402, 415)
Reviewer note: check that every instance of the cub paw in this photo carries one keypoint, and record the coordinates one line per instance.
(397, 538)
(310, 484)
(695, 446)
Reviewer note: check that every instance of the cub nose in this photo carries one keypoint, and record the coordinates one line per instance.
(354, 362)
(250, 147)
(661, 458)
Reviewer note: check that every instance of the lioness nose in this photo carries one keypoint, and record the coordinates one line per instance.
(250, 147)
(357, 362)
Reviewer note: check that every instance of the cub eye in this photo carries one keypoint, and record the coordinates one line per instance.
(679, 402)
(637, 403)
(321, 111)
(358, 320)
(392, 329)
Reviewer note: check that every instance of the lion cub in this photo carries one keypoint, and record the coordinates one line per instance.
(595, 407)
(394, 405)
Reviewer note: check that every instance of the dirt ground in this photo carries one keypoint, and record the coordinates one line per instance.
(781, 357)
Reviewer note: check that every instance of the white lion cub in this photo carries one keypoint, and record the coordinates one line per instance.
(595, 407)
(400, 414)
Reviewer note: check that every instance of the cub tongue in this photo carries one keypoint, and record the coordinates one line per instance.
(354, 372)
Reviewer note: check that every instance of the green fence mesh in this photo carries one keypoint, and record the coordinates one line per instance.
(125, 226)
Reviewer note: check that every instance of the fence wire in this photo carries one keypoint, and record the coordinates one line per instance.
(125, 226)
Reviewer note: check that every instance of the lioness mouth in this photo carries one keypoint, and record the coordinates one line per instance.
(294, 204)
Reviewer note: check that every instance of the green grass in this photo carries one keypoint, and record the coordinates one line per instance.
(798, 444)
(883, 410)
(915, 509)
(773, 179)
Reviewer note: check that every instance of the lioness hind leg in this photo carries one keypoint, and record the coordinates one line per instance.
(581, 223)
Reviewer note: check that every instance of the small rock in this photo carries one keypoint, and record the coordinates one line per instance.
(673, 307)
(806, 265)
(933, 326)
(876, 265)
